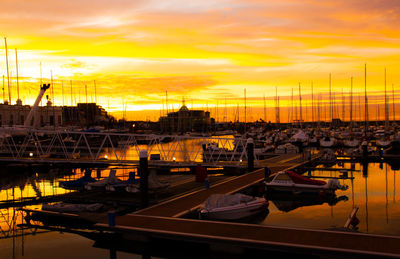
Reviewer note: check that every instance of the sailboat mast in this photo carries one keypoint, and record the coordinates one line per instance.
(386, 107)
(8, 73)
(52, 86)
(71, 93)
(166, 100)
(4, 97)
(312, 102)
(265, 110)
(351, 102)
(365, 99)
(277, 115)
(330, 96)
(62, 91)
(301, 111)
(95, 91)
(86, 93)
(245, 110)
(292, 113)
(394, 106)
(343, 104)
(16, 63)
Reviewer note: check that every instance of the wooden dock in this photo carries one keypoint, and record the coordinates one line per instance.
(160, 229)
(161, 222)
(257, 237)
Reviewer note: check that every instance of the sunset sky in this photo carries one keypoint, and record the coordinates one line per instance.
(206, 51)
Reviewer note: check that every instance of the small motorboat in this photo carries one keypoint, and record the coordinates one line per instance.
(78, 183)
(232, 206)
(289, 181)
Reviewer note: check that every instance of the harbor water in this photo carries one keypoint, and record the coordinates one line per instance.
(373, 189)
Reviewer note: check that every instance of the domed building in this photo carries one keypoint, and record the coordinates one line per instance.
(186, 120)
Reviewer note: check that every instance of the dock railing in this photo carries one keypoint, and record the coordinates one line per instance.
(40, 145)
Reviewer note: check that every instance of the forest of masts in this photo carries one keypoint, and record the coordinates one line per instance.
(296, 108)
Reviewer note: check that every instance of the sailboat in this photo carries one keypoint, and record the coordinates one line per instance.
(351, 141)
(383, 140)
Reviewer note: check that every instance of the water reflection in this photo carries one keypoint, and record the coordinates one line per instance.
(372, 190)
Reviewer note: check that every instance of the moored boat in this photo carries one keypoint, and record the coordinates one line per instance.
(327, 142)
(289, 181)
(232, 206)
(78, 183)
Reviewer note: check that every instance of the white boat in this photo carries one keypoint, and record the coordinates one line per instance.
(286, 149)
(383, 142)
(351, 142)
(327, 157)
(289, 181)
(300, 137)
(232, 206)
(327, 142)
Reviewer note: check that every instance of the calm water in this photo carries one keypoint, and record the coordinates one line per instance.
(374, 190)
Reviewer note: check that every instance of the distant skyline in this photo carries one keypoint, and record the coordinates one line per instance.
(128, 54)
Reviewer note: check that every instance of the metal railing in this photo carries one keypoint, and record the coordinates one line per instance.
(100, 146)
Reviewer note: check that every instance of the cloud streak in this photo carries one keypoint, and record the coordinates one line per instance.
(206, 49)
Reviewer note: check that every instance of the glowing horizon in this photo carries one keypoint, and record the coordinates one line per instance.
(205, 51)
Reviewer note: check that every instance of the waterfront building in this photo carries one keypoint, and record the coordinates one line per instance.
(84, 114)
(186, 120)
(15, 115)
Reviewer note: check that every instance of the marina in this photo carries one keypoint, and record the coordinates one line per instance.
(178, 206)
(228, 129)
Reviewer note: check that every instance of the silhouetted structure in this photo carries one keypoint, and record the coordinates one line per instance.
(186, 120)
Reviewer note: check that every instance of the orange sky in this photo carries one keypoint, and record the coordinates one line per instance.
(206, 51)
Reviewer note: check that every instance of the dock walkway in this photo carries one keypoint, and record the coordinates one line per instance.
(184, 204)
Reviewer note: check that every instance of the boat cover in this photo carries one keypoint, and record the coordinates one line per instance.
(111, 179)
(78, 183)
(155, 183)
(296, 178)
(69, 207)
(226, 200)
(300, 136)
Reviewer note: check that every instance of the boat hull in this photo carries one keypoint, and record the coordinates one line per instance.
(236, 212)
(300, 189)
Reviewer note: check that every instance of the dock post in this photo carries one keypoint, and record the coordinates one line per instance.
(111, 218)
(144, 180)
(364, 145)
(250, 154)
(267, 172)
